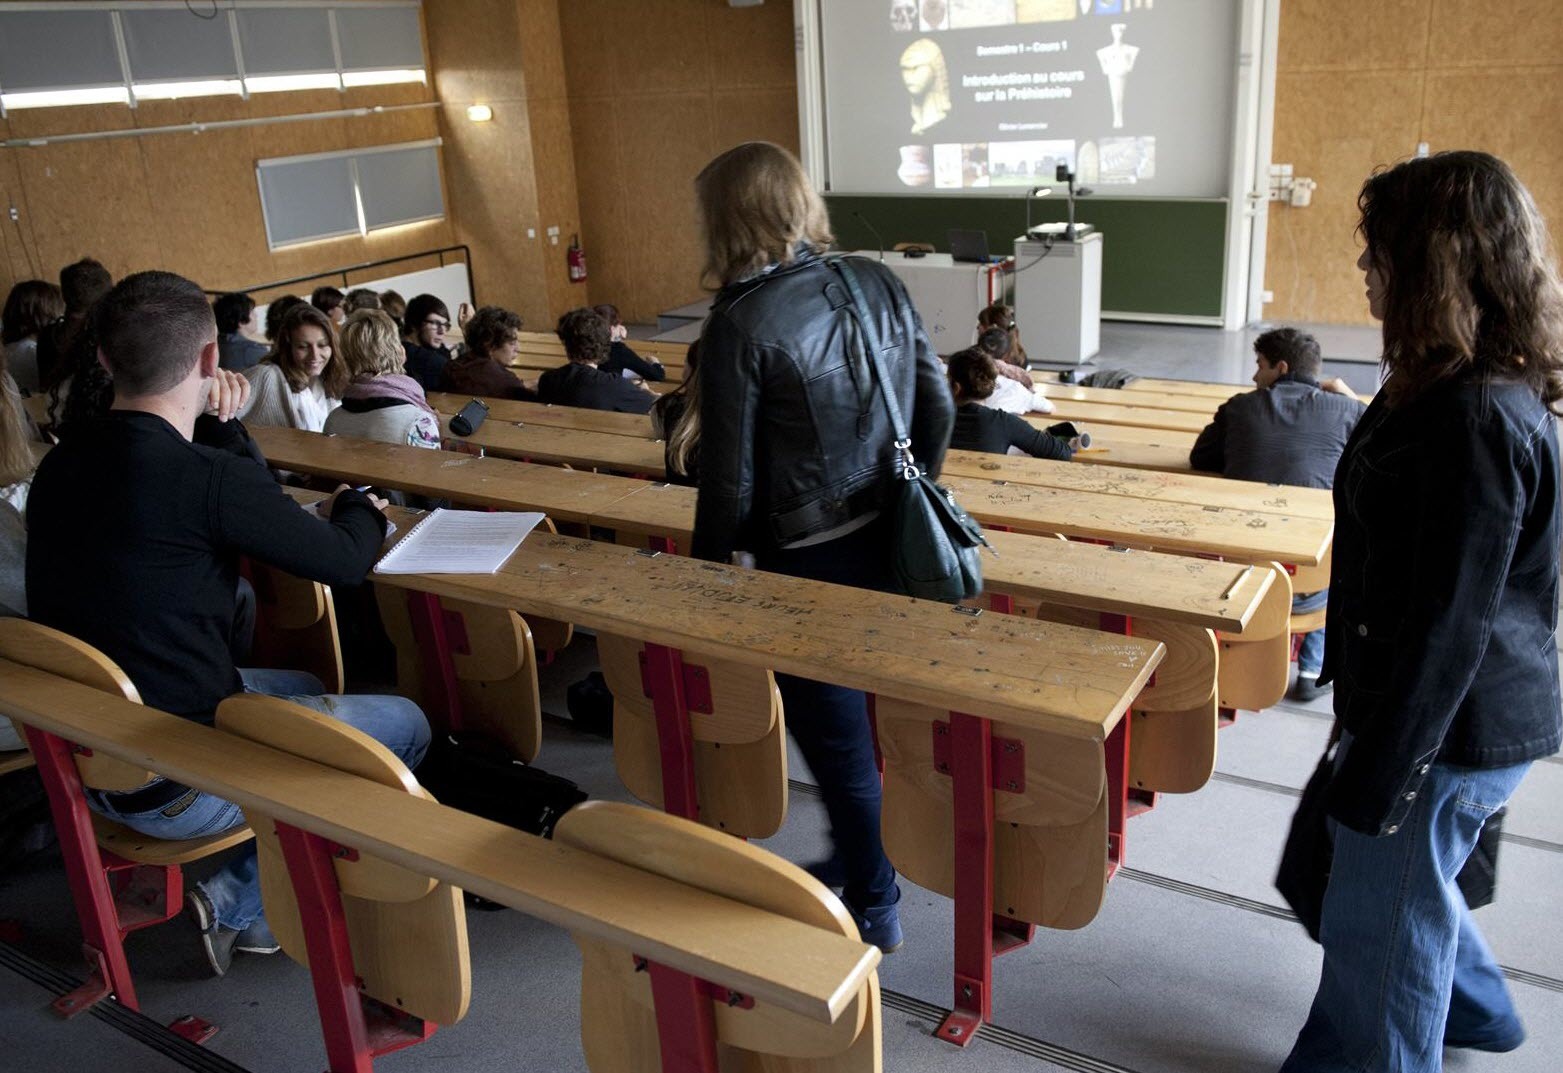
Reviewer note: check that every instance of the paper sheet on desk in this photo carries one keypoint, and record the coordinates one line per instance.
(459, 542)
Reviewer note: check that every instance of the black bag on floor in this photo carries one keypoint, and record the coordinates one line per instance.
(471, 773)
(591, 704)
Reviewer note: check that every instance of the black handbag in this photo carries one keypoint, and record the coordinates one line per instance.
(1304, 872)
(469, 772)
(935, 554)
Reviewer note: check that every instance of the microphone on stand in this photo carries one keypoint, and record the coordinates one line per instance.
(873, 231)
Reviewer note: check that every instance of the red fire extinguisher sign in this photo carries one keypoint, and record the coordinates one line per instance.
(575, 257)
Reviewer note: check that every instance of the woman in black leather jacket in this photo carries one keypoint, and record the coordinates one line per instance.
(1442, 609)
(796, 455)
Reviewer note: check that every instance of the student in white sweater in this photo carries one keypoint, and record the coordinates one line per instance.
(302, 380)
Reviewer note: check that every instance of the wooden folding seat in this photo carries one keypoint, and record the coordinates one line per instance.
(1256, 665)
(738, 737)
(1307, 579)
(1050, 834)
(295, 625)
(490, 682)
(621, 995)
(120, 879)
(386, 946)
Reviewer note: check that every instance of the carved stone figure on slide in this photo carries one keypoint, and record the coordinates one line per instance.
(903, 16)
(1117, 60)
(927, 81)
(935, 15)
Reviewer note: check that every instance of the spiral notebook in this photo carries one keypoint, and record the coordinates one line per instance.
(459, 542)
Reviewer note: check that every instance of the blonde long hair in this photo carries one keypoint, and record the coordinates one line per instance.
(756, 206)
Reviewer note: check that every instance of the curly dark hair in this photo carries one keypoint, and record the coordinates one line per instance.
(585, 335)
(490, 328)
(1471, 280)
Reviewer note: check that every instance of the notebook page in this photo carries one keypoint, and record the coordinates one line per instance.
(459, 542)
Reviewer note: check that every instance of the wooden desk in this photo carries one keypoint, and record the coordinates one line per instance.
(568, 446)
(537, 413)
(800, 968)
(1088, 414)
(1060, 679)
(1061, 394)
(1198, 489)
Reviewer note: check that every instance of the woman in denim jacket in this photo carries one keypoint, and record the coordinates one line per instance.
(1442, 610)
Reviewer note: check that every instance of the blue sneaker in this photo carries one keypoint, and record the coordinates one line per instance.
(1507, 1038)
(880, 925)
(217, 942)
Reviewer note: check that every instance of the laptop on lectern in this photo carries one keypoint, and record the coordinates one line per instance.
(970, 247)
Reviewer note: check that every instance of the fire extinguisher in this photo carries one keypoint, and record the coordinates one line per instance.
(575, 257)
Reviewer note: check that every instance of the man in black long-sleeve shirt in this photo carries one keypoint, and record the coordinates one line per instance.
(136, 524)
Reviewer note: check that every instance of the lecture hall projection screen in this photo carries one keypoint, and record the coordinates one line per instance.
(950, 96)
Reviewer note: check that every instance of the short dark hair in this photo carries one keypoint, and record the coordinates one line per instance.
(418, 311)
(608, 312)
(232, 310)
(325, 299)
(491, 327)
(32, 304)
(277, 310)
(1298, 349)
(83, 283)
(361, 298)
(151, 328)
(585, 336)
(973, 371)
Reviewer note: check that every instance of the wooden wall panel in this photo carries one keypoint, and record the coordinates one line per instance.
(675, 83)
(1359, 85)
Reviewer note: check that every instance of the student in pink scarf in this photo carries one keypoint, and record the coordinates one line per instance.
(382, 402)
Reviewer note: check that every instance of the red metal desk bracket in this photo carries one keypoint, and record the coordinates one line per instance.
(102, 933)
(439, 634)
(664, 674)
(357, 1029)
(686, 1022)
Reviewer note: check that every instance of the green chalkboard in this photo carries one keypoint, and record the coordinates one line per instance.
(1157, 256)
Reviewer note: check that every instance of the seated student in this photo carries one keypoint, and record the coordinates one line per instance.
(396, 306)
(1012, 363)
(329, 301)
(81, 284)
(675, 420)
(381, 402)
(483, 368)
(16, 475)
(587, 340)
(1011, 392)
(276, 311)
(137, 523)
(360, 298)
(973, 375)
(32, 305)
(423, 335)
(621, 359)
(302, 379)
(236, 315)
(1290, 431)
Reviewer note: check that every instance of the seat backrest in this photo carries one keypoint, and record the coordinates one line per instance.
(407, 931)
(614, 993)
(296, 626)
(47, 649)
(740, 747)
(495, 663)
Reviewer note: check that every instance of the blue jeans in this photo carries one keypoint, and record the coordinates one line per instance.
(234, 890)
(830, 723)
(1404, 965)
(1310, 658)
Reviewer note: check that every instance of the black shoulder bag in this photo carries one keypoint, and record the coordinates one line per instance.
(934, 554)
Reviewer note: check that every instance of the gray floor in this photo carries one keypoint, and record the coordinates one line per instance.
(1189, 968)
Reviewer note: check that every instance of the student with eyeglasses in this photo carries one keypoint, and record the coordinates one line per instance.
(425, 325)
